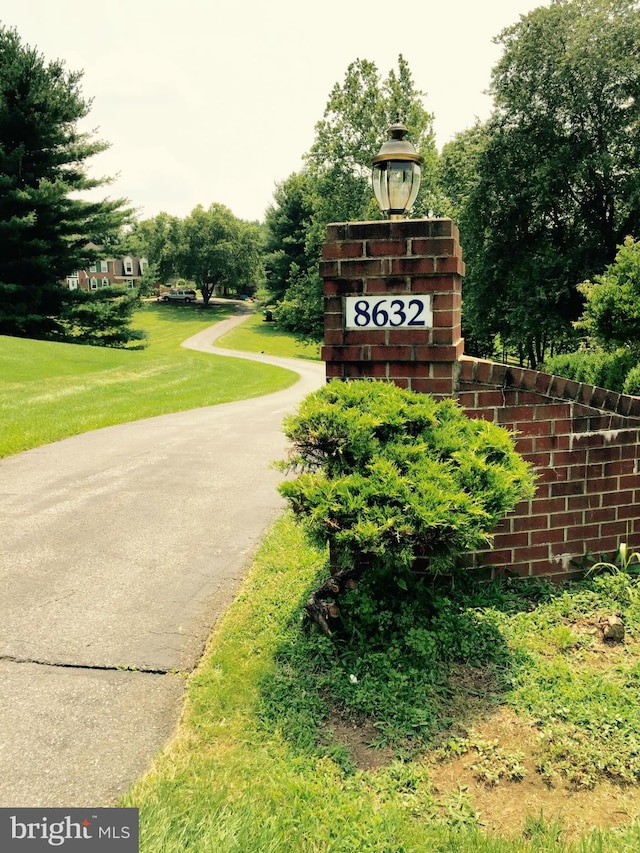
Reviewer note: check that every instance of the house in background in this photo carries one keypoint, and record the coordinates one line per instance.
(108, 272)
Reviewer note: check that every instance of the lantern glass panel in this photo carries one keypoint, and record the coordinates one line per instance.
(396, 184)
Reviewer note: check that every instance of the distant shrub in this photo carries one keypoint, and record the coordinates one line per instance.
(595, 367)
(632, 382)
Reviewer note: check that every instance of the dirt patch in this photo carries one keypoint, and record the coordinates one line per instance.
(504, 806)
(359, 739)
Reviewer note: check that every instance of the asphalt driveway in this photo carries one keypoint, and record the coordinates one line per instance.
(119, 550)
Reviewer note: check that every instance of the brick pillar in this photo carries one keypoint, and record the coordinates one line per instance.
(392, 301)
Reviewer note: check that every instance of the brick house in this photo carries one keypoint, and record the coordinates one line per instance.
(108, 272)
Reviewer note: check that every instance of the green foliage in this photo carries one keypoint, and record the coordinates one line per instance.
(594, 367)
(556, 184)
(388, 474)
(255, 766)
(393, 666)
(216, 249)
(632, 382)
(612, 307)
(335, 184)
(156, 239)
(44, 225)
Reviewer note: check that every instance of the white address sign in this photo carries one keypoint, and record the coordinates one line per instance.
(388, 312)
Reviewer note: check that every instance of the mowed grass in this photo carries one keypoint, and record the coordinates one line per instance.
(49, 391)
(254, 335)
(265, 759)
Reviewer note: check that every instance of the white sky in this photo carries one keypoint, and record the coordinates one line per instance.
(208, 101)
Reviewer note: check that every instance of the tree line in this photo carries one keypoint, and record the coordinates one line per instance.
(545, 191)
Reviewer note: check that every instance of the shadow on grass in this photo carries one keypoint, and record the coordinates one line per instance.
(180, 313)
(405, 673)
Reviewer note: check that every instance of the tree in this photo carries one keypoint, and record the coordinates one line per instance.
(102, 317)
(612, 301)
(388, 475)
(287, 223)
(215, 249)
(335, 184)
(44, 225)
(557, 185)
(156, 239)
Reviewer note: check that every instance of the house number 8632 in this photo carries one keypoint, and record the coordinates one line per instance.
(391, 312)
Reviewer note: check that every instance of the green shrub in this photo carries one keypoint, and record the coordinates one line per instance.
(595, 367)
(388, 475)
(632, 382)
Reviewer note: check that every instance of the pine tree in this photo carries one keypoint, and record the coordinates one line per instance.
(44, 226)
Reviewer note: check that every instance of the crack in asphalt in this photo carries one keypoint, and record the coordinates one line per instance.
(146, 670)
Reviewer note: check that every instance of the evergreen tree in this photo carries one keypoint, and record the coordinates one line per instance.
(44, 226)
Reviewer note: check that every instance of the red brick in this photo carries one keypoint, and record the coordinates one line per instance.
(438, 247)
(378, 248)
(531, 552)
(365, 370)
(602, 514)
(407, 369)
(533, 427)
(377, 286)
(541, 506)
(618, 467)
(333, 251)
(583, 502)
(412, 266)
(566, 519)
(367, 337)
(437, 353)
(609, 453)
(434, 284)
(445, 319)
(447, 301)
(389, 352)
(441, 386)
(409, 336)
(622, 498)
(333, 337)
(422, 386)
(360, 269)
(467, 399)
(628, 511)
(451, 265)
(375, 230)
(547, 537)
(517, 413)
(329, 269)
(412, 227)
(614, 528)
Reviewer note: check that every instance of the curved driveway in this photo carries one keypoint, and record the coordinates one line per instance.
(119, 550)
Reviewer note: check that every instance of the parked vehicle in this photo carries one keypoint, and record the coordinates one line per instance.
(178, 295)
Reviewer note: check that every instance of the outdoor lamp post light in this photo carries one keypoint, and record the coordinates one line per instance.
(396, 173)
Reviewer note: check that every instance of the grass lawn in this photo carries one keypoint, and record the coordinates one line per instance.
(494, 719)
(254, 335)
(49, 391)
(497, 720)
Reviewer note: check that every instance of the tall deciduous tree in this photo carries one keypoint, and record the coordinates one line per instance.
(558, 183)
(216, 249)
(336, 181)
(156, 239)
(44, 225)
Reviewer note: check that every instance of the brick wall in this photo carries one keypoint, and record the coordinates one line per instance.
(583, 441)
(405, 257)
